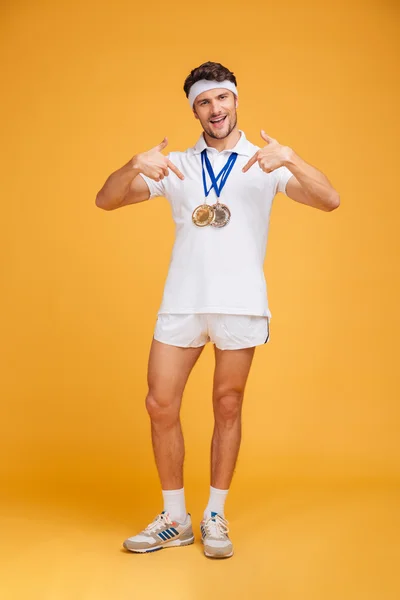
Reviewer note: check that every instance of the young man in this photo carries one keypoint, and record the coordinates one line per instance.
(221, 192)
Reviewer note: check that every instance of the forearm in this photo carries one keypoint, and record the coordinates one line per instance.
(116, 187)
(313, 182)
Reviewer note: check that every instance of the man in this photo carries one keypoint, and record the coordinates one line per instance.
(221, 192)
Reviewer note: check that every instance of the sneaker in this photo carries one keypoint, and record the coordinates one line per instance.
(163, 532)
(214, 535)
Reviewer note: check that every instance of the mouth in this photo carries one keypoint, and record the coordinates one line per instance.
(218, 122)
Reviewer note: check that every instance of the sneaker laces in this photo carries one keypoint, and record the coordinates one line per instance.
(162, 520)
(216, 527)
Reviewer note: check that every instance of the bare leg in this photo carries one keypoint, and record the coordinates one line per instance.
(168, 371)
(232, 368)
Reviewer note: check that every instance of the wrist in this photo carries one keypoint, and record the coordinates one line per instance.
(134, 163)
(289, 157)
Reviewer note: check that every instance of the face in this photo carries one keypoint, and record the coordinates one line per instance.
(210, 106)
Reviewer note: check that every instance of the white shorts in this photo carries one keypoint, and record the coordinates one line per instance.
(227, 332)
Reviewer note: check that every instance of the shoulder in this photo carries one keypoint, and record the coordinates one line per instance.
(181, 157)
(252, 147)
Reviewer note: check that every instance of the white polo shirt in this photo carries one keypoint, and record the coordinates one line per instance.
(219, 269)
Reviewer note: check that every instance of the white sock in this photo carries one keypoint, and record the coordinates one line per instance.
(216, 502)
(174, 503)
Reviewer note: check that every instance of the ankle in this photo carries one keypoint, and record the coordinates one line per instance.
(216, 502)
(174, 504)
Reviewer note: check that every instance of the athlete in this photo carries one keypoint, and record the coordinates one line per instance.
(221, 192)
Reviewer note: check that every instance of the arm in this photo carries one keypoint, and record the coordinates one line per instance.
(309, 185)
(125, 187)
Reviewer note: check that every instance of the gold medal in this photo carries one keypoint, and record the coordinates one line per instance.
(222, 215)
(217, 215)
(203, 215)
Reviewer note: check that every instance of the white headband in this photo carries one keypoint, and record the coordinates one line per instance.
(206, 84)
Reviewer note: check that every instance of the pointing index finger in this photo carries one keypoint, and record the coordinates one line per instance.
(250, 163)
(175, 169)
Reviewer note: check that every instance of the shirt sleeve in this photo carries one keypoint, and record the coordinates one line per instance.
(282, 176)
(157, 188)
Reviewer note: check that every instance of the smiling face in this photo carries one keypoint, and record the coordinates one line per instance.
(216, 111)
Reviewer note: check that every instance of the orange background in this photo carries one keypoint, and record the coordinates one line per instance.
(87, 86)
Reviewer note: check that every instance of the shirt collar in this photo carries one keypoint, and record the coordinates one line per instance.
(242, 146)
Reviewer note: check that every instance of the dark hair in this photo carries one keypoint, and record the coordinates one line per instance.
(212, 71)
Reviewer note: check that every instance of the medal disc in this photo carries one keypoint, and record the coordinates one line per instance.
(203, 215)
(222, 215)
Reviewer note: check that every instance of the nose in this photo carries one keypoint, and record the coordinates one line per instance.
(215, 108)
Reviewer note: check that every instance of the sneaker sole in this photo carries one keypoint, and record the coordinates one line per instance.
(215, 555)
(218, 555)
(170, 544)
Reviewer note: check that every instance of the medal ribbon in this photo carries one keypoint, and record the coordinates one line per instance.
(223, 174)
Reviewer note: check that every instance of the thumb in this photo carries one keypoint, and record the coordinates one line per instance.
(266, 137)
(163, 144)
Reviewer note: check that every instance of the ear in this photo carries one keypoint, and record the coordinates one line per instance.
(195, 114)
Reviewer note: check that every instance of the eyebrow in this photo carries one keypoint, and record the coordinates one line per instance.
(204, 99)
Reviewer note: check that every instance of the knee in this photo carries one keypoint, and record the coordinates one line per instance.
(162, 409)
(228, 407)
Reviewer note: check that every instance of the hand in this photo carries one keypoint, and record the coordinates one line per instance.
(270, 157)
(154, 164)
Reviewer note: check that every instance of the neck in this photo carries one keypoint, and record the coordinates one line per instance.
(226, 143)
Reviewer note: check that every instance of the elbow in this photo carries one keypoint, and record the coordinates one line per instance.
(334, 202)
(99, 203)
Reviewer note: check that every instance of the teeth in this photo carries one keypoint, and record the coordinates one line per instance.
(218, 120)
